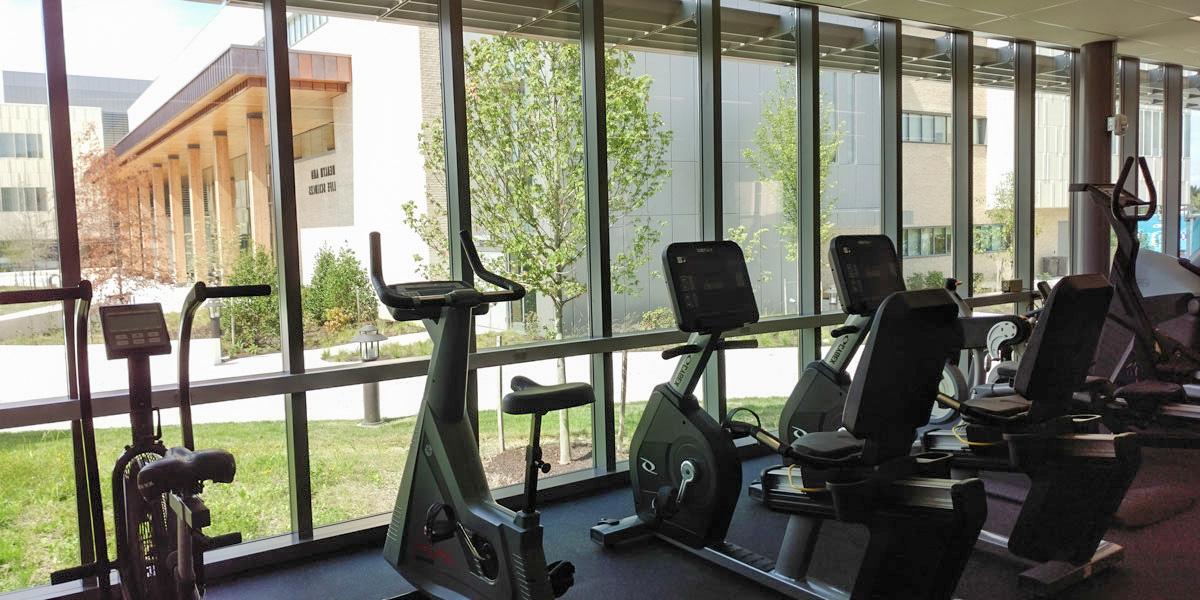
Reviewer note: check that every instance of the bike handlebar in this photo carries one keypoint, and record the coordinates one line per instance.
(1119, 200)
(510, 291)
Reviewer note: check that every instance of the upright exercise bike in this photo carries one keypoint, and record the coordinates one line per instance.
(448, 536)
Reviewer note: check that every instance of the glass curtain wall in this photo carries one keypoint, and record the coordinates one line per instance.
(1189, 222)
(993, 129)
(925, 133)
(1052, 163)
(1150, 145)
(759, 141)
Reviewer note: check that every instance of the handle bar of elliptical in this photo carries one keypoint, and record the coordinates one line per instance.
(1120, 200)
(511, 289)
(196, 297)
(46, 295)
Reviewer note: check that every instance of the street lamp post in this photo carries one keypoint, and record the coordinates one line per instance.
(368, 339)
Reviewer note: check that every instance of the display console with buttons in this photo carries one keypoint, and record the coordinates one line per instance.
(134, 329)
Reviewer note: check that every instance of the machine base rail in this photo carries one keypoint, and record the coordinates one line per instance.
(1050, 578)
(751, 565)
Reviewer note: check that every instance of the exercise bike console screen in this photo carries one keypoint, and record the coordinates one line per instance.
(134, 329)
(709, 286)
(866, 271)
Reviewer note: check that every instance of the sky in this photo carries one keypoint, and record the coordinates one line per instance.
(110, 38)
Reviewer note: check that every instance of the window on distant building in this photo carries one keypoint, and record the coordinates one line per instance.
(20, 145)
(925, 241)
(989, 237)
(924, 128)
(28, 199)
(979, 131)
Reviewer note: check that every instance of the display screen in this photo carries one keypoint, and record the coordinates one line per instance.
(866, 270)
(710, 286)
(133, 321)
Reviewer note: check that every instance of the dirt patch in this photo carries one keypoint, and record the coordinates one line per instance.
(508, 467)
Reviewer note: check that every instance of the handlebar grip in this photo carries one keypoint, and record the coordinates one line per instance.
(386, 296)
(516, 290)
(670, 353)
(1044, 289)
(237, 291)
(737, 344)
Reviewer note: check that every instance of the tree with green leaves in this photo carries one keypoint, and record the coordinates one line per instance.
(774, 157)
(525, 144)
(340, 293)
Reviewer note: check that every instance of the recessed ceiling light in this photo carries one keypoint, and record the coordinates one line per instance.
(1195, 18)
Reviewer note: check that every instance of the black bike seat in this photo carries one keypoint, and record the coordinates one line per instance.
(528, 397)
(1002, 406)
(833, 445)
(181, 469)
(1149, 394)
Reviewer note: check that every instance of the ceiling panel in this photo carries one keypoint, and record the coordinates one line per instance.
(1115, 17)
(930, 12)
(1041, 32)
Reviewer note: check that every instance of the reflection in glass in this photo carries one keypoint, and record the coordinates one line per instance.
(1051, 164)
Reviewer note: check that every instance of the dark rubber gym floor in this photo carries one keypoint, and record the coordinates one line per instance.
(1160, 560)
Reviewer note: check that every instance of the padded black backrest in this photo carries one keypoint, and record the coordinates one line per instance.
(896, 383)
(1060, 350)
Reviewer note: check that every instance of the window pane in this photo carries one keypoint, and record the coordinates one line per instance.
(927, 191)
(154, 106)
(1189, 231)
(758, 106)
(379, 87)
(1052, 165)
(850, 147)
(529, 214)
(994, 191)
(653, 145)
(368, 135)
(32, 339)
(1150, 145)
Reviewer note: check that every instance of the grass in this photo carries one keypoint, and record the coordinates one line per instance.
(355, 472)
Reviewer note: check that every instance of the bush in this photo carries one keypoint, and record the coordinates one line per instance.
(340, 293)
(252, 324)
(925, 280)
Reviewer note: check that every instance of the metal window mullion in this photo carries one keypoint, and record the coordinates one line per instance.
(1023, 175)
(1076, 137)
(962, 111)
(287, 252)
(62, 161)
(712, 227)
(1172, 184)
(595, 130)
(1130, 77)
(458, 176)
(891, 202)
(808, 175)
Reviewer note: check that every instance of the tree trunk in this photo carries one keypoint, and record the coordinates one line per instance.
(624, 386)
(564, 419)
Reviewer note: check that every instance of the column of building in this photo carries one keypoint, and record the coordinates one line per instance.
(256, 159)
(196, 210)
(224, 204)
(145, 222)
(158, 190)
(175, 182)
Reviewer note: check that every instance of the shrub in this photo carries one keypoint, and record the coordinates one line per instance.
(925, 280)
(340, 293)
(252, 324)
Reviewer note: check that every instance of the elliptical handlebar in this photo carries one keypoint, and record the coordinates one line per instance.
(200, 293)
(79, 292)
(510, 290)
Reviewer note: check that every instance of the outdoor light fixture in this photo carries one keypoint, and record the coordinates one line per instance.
(368, 339)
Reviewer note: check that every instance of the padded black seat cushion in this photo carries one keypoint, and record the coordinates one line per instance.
(828, 444)
(1004, 406)
(181, 469)
(1151, 394)
(1006, 369)
(528, 397)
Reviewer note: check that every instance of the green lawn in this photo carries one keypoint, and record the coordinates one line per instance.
(355, 473)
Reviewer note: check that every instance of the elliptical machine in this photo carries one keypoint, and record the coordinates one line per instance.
(686, 475)
(1149, 344)
(448, 536)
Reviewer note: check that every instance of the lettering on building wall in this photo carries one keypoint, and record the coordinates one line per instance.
(322, 187)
